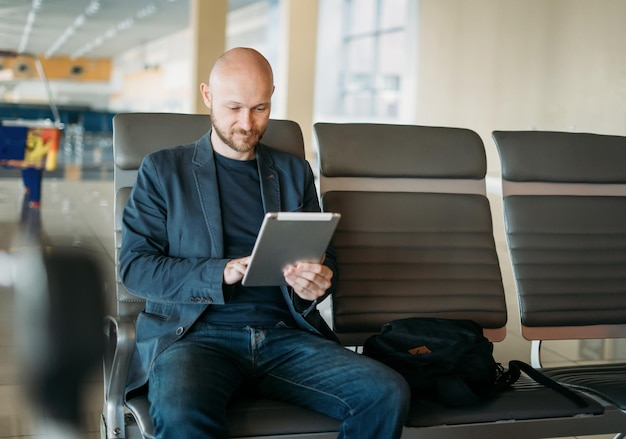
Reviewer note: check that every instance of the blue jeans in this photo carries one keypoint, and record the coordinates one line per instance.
(192, 381)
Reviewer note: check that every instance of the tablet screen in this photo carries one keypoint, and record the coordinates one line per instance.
(286, 238)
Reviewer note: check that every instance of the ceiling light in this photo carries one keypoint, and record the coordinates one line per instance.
(91, 9)
(125, 24)
(146, 11)
(110, 33)
(36, 5)
(80, 20)
(121, 26)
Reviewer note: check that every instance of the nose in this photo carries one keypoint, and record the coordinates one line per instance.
(245, 119)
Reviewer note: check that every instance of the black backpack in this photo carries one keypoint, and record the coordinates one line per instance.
(449, 361)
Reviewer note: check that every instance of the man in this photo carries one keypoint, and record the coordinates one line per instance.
(189, 227)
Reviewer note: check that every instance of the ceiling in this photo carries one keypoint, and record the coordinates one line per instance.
(90, 28)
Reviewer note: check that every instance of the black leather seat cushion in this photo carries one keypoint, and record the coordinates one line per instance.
(607, 381)
(526, 400)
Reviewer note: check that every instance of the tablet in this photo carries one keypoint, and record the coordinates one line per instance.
(286, 238)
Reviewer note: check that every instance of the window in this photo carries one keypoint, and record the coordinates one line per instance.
(251, 23)
(363, 59)
(256, 24)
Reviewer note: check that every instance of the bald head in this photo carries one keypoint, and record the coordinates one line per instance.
(239, 95)
(242, 59)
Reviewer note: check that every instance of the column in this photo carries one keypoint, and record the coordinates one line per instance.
(299, 18)
(208, 34)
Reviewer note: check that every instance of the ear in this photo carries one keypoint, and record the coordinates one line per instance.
(206, 95)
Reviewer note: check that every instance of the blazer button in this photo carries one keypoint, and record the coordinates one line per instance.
(179, 330)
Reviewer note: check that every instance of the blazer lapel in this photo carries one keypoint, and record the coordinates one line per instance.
(270, 186)
(206, 184)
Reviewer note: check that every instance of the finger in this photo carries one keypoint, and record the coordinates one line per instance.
(307, 293)
(234, 270)
(314, 269)
(308, 288)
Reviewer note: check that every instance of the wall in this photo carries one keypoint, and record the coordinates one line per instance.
(522, 64)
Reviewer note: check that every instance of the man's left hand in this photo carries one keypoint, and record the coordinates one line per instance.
(308, 280)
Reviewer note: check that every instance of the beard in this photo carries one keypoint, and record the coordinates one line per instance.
(241, 146)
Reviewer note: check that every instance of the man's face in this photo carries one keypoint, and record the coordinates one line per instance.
(240, 110)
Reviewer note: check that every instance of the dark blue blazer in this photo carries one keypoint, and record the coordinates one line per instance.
(172, 252)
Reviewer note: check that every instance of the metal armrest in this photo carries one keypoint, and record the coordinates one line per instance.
(119, 348)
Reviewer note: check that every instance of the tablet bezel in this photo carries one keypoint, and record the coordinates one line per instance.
(286, 238)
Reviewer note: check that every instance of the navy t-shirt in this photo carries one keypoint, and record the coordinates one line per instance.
(242, 215)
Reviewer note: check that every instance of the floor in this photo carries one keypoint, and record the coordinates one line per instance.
(78, 211)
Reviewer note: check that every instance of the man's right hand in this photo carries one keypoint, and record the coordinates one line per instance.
(235, 269)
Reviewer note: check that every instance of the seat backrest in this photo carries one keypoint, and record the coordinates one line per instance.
(137, 134)
(416, 236)
(564, 202)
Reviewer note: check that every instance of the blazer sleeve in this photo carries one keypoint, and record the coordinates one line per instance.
(146, 267)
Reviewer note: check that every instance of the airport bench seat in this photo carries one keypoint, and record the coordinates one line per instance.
(403, 191)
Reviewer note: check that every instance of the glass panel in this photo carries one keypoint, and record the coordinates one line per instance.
(392, 54)
(387, 105)
(360, 55)
(359, 104)
(362, 59)
(362, 16)
(393, 14)
(247, 25)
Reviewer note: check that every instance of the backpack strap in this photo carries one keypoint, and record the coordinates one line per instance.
(455, 392)
(514, 372)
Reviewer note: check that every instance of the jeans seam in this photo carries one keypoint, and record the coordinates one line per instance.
(350, 410)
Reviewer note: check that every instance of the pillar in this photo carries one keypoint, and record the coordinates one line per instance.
(299, 18)
(208, 34)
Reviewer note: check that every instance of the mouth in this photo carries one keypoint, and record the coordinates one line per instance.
(247, 136)
(244, 140)
(243, 133)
